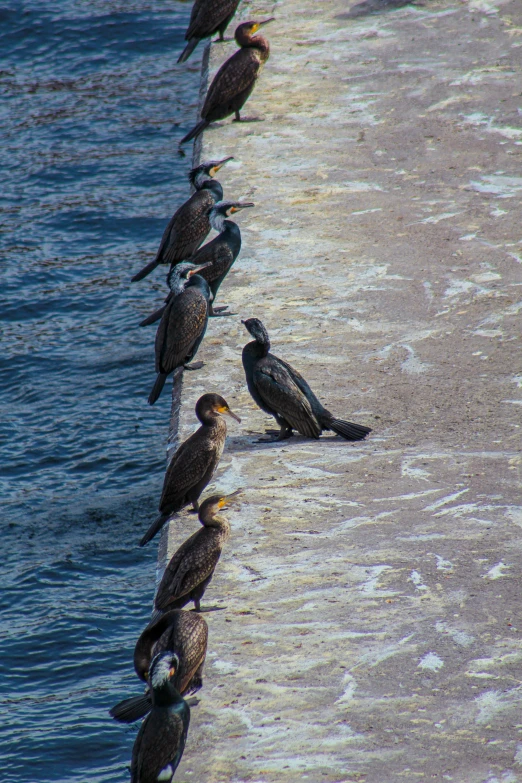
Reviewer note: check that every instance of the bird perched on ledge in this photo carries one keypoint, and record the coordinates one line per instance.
(192, 567)
(161, 739)
(189, 225)
(207, 17)
(183, 324)
(214, 259)
(194, 463)
(279, 390)
(183, 633)
(235, 80)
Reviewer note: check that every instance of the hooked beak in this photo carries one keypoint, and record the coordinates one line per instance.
(228, 412)
(266, 21)
(215, 169)
(235, 494)
(228, 499)
(198, 269)
(238, 206)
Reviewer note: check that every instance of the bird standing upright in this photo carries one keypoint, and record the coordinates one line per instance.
(282, 392)
(235, 80)
(183, 633)
(192, 567)
(215, 259)
(160, 743)
(189, 225)
(183, 323)
(194, 463)
(207, 17)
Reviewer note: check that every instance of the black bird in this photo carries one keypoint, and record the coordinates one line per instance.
(183, 633)
(279, 390)
(194, 463)
(161, 739)
(235, 80)
(207, 17)
(192, 567)
(189, 225)
(217, 256)
(183, 324)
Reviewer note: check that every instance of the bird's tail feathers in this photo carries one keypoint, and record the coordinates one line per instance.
(348, 430)
(153, 317)
(154, 528)
(157, 388)
(145, 271)
(187, 51)
(196, 130)
(130, 710)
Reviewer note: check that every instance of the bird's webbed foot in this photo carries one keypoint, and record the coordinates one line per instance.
(194, 366)
(252, 118)
(283, 434)
(203, 609)
(217, 312)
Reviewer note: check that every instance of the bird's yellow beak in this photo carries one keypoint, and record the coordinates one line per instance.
(227, 412)
(214, 170)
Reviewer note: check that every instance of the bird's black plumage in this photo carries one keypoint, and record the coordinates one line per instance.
(194, 463)
(282, 392)
(235, 80)
(160, 743)
(184, 633)
(183, 323)
(189, 225)
(191, 568)
(217, 256)
(207, 18)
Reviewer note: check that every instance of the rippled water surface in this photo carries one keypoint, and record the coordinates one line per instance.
(91, 98)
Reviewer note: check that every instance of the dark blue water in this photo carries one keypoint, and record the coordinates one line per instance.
(89, 96)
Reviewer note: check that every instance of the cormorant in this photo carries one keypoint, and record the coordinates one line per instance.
(189, 225)
(161, 739)
(183, 633)
(235, 80)
(191, 568)
(207, 17)
(194, 463)
(217, 256)
(183, 323)
(279, 390)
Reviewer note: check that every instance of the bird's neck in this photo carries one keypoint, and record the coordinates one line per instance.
(260, 348)
(177, 285)
(214, 187)
(258, 42)
(200, 179)
(199, 282)
(166, 695)
(218, 523)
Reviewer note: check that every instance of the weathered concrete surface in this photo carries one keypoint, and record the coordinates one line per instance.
(372, 623)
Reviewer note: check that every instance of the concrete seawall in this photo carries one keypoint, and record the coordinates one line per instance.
(372, 623)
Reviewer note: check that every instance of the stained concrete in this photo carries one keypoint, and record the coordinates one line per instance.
(371, 623)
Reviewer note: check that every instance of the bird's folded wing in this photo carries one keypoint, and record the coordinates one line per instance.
(235, 75)
(279, 390)
(189, 227)
(188, 466)
(221, 261)
(185, 319)
(165, 588)
(161, 745)
(196, 567)
(204, 20)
